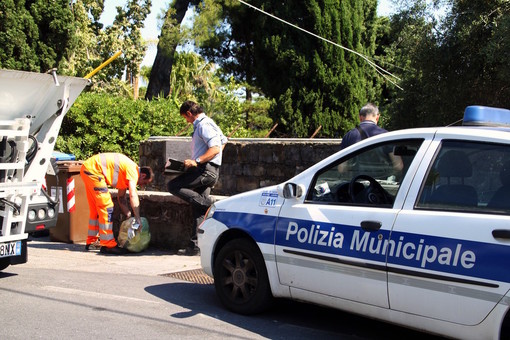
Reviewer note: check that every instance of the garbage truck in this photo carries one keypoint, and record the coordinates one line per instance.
(32, 107)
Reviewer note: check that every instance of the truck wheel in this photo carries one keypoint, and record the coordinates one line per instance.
(240, 278)
(4, 263)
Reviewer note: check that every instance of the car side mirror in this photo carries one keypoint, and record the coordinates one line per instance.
(292, 190)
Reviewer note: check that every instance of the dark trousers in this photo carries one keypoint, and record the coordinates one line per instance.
(194, 186)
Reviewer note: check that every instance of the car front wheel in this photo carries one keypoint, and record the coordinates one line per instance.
(240, 278)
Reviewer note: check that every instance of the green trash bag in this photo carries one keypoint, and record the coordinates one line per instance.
(141, 239)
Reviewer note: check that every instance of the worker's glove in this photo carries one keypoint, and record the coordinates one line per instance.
(131, 233)
(135, 225)
(132, 230)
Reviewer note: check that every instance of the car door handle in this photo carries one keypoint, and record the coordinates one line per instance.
(501, 233)
(371, 225)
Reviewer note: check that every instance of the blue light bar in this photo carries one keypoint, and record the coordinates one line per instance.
(486, 116)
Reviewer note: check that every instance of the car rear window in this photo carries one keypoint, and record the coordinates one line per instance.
(468, 176)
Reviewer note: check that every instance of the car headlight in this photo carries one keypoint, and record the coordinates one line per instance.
(210, 212)
(51, 212)
(41, 214)
(31, 215)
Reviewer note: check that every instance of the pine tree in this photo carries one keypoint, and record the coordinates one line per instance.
(34, 34)
(316, 84)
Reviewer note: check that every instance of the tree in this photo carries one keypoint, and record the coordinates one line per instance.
(315, 84)
(38, 35)
(159, 80)
(82, 55)
(458, 61)
(223, 30)
(35, 35)
(193, 78)
(125, 35)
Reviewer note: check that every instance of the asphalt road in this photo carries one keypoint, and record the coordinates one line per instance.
(66, 293)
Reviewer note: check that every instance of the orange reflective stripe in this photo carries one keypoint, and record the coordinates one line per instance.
(93, 227)
(106, 235)
(92, 232)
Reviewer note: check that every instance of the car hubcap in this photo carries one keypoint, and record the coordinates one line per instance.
(240, 279)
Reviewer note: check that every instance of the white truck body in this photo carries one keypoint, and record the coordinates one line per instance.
(32, 107)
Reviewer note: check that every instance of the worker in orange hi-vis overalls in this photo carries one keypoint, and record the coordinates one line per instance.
(117, 171)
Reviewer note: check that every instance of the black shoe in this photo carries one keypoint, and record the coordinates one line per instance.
(115, 250)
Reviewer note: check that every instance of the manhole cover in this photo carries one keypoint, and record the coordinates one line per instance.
(195, 276)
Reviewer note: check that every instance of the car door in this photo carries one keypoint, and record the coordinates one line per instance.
(331, 242)
(449, 249)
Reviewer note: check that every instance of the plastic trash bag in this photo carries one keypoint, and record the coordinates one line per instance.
(142, 236)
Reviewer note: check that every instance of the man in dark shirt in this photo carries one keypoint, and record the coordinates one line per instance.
(368, 116)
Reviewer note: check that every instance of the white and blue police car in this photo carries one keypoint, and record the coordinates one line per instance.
(410, 227)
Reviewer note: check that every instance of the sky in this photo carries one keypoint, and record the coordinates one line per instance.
(151, 30)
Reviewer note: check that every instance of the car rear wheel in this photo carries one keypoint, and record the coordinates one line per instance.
(240, 278)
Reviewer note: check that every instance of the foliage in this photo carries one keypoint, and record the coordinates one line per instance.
(223, 31)
(314, 83)
(457, 60)
(82, 55)
(125, 35)
(105, 123)
(102, 122)
(239, 118)
(38, 35)
(193, 78)
(34, 36)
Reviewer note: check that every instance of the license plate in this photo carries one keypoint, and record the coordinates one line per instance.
(10, 249)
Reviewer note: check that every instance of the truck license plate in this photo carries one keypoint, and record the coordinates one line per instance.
(10, 249)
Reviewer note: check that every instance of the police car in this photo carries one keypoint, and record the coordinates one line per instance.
(411, 227)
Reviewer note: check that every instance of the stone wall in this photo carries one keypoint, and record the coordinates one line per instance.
(247, 163)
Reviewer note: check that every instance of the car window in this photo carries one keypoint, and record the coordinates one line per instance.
(468, 176)
(370, 176)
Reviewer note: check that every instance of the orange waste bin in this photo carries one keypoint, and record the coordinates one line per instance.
(72, 222)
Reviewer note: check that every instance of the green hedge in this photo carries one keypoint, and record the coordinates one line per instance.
(101, 122)
(105, 123)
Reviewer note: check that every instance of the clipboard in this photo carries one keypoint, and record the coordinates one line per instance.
(175, 166)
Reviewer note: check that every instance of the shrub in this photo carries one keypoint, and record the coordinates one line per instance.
(99, 122)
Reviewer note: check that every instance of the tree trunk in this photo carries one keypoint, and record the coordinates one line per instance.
(135, 87)
(159, 80)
